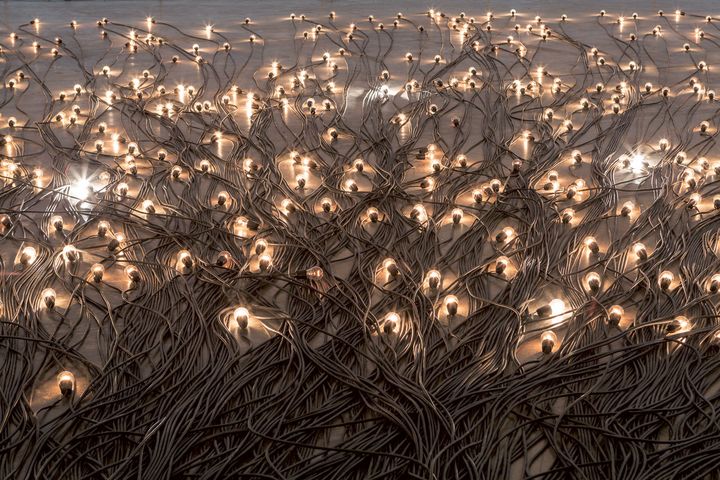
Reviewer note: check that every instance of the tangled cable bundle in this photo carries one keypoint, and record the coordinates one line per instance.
(440, 246)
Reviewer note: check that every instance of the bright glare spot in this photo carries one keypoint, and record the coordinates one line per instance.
(637, 163)
(80, 189)
(559, 310)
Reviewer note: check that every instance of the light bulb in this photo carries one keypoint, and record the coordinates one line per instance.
(28, 255)
(665, 279)
(66, 383)
(260, 246)
(557, 306)
(680, 324)
(592, 245)
(132, 273)
(326, 203)
(148, 206)
(48, 297)
(185, 258)
(418, 213)
(714, 284)
(457, 215)
(287, 206)
(593, 281)
(433, 278)
(548, 339)
(97, 272)
(314, 273)
(627, 209)
(640, 251)
(391, 267)
(391, 322)
(505, 235)
(70, 253)
(694, 200)
(615, 314)
(222, 198)
(241, 315)
(451, 305)
(56, 221)
(501, 264)
(264, 262)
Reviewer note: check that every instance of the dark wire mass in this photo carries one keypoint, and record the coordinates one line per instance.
(425, 245)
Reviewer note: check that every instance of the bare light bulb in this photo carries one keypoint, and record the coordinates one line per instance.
(66, 383)
(433, 279)
(391, 322)
(615, 314)
(48, 297)
(451, 305)
(548, 340)
(665, 279)
(241, 315)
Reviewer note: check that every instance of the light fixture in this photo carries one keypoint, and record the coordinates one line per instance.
(66, 383)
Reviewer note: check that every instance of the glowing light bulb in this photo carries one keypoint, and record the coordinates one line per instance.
(694, 200)
(627, 209)
(451, 305)
(260, 246)
(593, 281)
(326, 203)
(185, 258)
(501, 264)
(567, 215)
(419, 213)
(391, 267)
(70, 253)
(637, 163)
(457, 215)
(557, 306)
(680, 324)
(287, 206)
(66, 383)
(505, 235)
(548, 340)
(98, 270)
(640, 251)
(391, 322)
(433, 278)
(223, 198)
(314, 273)
(122, 189)
(56, 222)
(132, 272)
(48, 297)
(714, 284)
(148, 206)
(665, 279)
(615, 314)
(28, 255)
(264, 262)
(241, 315)
(477, 195)
(592, 244)
(351, 185)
